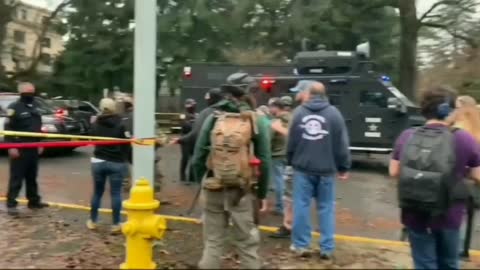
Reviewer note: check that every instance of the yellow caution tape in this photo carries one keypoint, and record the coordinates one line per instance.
(145, 142)
(58, 136)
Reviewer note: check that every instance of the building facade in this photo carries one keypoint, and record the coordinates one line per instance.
(22, 43)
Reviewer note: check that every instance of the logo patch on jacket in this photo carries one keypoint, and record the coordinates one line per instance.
(312, 125)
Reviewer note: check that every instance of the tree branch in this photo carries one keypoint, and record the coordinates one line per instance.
(45, 26)
(36, 51)
(469, 40)
(427, 15)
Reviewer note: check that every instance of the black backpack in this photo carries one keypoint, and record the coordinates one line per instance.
(428, 184)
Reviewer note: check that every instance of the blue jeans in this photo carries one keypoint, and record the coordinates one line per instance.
(322, 188)
(115, 172)
(436, 249)
(278, 169)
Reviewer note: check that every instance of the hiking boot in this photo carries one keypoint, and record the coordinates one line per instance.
(39, 205)
(301, 252)
(91, 225)
(116, 229)
(12, 211)
(282, 233)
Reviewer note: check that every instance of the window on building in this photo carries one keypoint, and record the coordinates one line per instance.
(46, 42)
(23, 14)
(19, 36)
(46, 59)
(369, 98)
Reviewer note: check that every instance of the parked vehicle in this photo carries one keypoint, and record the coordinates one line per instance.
(82, 111)
(54, 121)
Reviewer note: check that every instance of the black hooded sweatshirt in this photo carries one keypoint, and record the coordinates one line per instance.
(111, 126)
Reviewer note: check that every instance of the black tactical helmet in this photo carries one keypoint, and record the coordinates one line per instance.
(190, 102)
(238, 84)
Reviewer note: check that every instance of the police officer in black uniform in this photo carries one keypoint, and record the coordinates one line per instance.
(23, 116)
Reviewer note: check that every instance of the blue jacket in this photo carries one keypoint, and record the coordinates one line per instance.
(318, 139)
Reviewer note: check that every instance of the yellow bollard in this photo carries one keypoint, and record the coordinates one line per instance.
(142, 227)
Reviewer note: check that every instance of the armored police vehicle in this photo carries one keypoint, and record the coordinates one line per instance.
(375, 111)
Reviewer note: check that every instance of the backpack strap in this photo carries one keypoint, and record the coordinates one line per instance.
(455, 129)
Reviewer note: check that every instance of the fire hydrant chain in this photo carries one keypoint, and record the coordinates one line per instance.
(142, 228)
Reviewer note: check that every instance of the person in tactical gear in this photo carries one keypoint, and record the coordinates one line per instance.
(24, 116)
(281, 129)
(127, 119)
(430, 192)
(279, 141)
(187, 148)
(212, 97)
(226, 153)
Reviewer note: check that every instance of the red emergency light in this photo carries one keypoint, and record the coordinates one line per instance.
(61, 114)
(266, 84)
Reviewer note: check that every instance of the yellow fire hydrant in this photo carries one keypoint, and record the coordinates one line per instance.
(142, 227)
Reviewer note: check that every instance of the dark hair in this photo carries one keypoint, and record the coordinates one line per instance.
(432, 98)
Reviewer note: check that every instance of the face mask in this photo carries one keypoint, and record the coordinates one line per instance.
(27, 97)
(128, 106)
(190, 109)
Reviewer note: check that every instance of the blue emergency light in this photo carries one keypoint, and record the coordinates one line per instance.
(385, 78)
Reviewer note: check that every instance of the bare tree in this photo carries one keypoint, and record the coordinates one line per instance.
(410, 25)
(41, 35)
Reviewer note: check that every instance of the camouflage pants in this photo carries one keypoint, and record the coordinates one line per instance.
(218, 208)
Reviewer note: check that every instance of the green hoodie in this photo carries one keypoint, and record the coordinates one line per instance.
(261, 143)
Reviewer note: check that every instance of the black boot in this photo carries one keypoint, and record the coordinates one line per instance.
(38, 205)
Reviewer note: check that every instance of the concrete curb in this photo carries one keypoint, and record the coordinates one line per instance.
(345, 238)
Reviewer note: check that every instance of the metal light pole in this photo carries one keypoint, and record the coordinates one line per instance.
(144, 83)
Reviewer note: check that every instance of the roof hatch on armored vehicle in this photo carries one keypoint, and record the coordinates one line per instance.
(325, 62)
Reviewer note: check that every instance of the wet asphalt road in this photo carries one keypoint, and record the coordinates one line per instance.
(366, 204)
